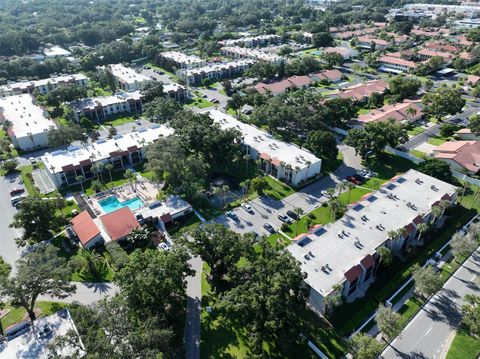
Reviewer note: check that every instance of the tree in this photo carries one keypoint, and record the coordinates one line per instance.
(119, 257)
(363, 346)
(436, 168)
(96, 185)
(259, 184)
(109, 167)
(39, 272)
(80, 179)
(462, 245)
(139, 236)
(223, 192)
(332, 59)
(471, 314)
(10, 165)
(5, 268)
(221, 249)
(267, 298)
(421, 229)
(404, 87)
(323, 144)
(474, 124)
(388, 321)
(386, 257)
(161, 110)
(428, 85)
(298, 212)
(37, 217)
(447, 130)
(130, 176)
(235, 103)
(112, 131)
(427, 282)
(98, 168)
(151, 91)
(373, 139)
(65, 93)
(88, 262)
(443, 101)
(322, 39)
(64, 136)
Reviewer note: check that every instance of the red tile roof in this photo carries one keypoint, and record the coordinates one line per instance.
(409, 228)
(362, 91)
(353, 273)
(465, 153)
(397, 111)
(84, 227)
(397, 61)
(367, 262)
(418, 220)
(443, 47)
(120, 223)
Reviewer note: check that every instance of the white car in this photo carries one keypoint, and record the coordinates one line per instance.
(326, 194)
(247, 208)
(164, 246)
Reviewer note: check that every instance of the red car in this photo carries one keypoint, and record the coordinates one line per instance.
(352, 179)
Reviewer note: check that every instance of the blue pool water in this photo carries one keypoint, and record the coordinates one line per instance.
(112, 203)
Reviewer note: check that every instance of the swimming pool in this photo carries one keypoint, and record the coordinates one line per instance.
(112, 203)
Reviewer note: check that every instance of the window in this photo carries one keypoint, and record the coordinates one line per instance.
(368, 274)
(353, 286)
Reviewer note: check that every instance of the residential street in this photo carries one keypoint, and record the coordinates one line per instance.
(430, 332)
(308, 198)
(194, 297)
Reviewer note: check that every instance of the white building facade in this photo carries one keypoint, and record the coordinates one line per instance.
(43, 86)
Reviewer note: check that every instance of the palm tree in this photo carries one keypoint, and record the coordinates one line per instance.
(421, 229)
(308, 163)
(298, 211)
(98, 168)
(411, 111)
(330, 192)
(109, 168)
(247, 159)
(350, 186)
(334, 205)
(6, 124)
(222, 192)
(130, 176)
(436, 213)
(340, 186)
(245, 185)
(88, 262)
(80, 180)
(385, 255)
(52, 171)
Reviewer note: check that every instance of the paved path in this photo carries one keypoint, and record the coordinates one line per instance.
(429, 333)
(87, 293)
(192, 324)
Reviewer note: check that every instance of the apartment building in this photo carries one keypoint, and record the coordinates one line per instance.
(176, 92)
(63, 166)
(126, 78)
(30, 122)
(362, 92)
(102, 107)
(288, 84)
(396, 64)
(179, 60)
(252, 41)
(238, 52)
(43, 86)
(369, 42)
(284, 161)
(344, 255)
(215, 71)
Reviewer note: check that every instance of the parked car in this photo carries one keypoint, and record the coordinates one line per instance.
(232, 215)
(138, 122)
(269, 228)
(32, 160)
(360, 178)
(214, 100)
(326, 194)
(247, 208)
(284, 218)
(292, 215)
(164, 246)
(16, 191)
(15, 201)
(352, 179)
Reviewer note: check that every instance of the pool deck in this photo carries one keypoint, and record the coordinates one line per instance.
(143, 188)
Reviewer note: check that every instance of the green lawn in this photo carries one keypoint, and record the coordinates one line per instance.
(120, 120)
(277, 189)
(363, 111)
(436, 140)
(416, 131)
(418, 154)
(17, 314)
(185, 226)
(409, 309)
(156, 67)
(464, 346)
(199, 102)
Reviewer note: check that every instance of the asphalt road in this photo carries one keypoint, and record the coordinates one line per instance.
(430, 332)
(194, 297)
(8, 247)
(266, 209)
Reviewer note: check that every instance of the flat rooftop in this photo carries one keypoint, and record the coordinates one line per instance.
(265, 143)
(368, 222)
(102, 148)
(29, 346)
(127, 74)
(54, 51)
(118, 98)
(26, 117)
(24, 85)
(170, 206)
(218, 67)
(181, 58)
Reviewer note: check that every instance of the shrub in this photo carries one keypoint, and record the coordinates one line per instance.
(118, 255)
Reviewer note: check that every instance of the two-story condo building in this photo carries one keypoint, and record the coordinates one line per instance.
(43, 86)
(284, 161)
(344, 255)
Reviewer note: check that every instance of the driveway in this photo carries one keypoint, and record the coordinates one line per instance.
(431, 331)
(213, 93)
(266, 209)
(87, 293)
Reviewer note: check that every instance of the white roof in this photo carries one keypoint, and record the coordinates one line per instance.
(26, 117)
(54, 51)
(252, 53)
(23, 85)
(118, 98)
(127, 74)
(102, 148)
(180, 57)
(173, 87)
(232, 42)
(218, 67)
(341, 254)
(171, 205)
(29, 346)
(263, 142)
